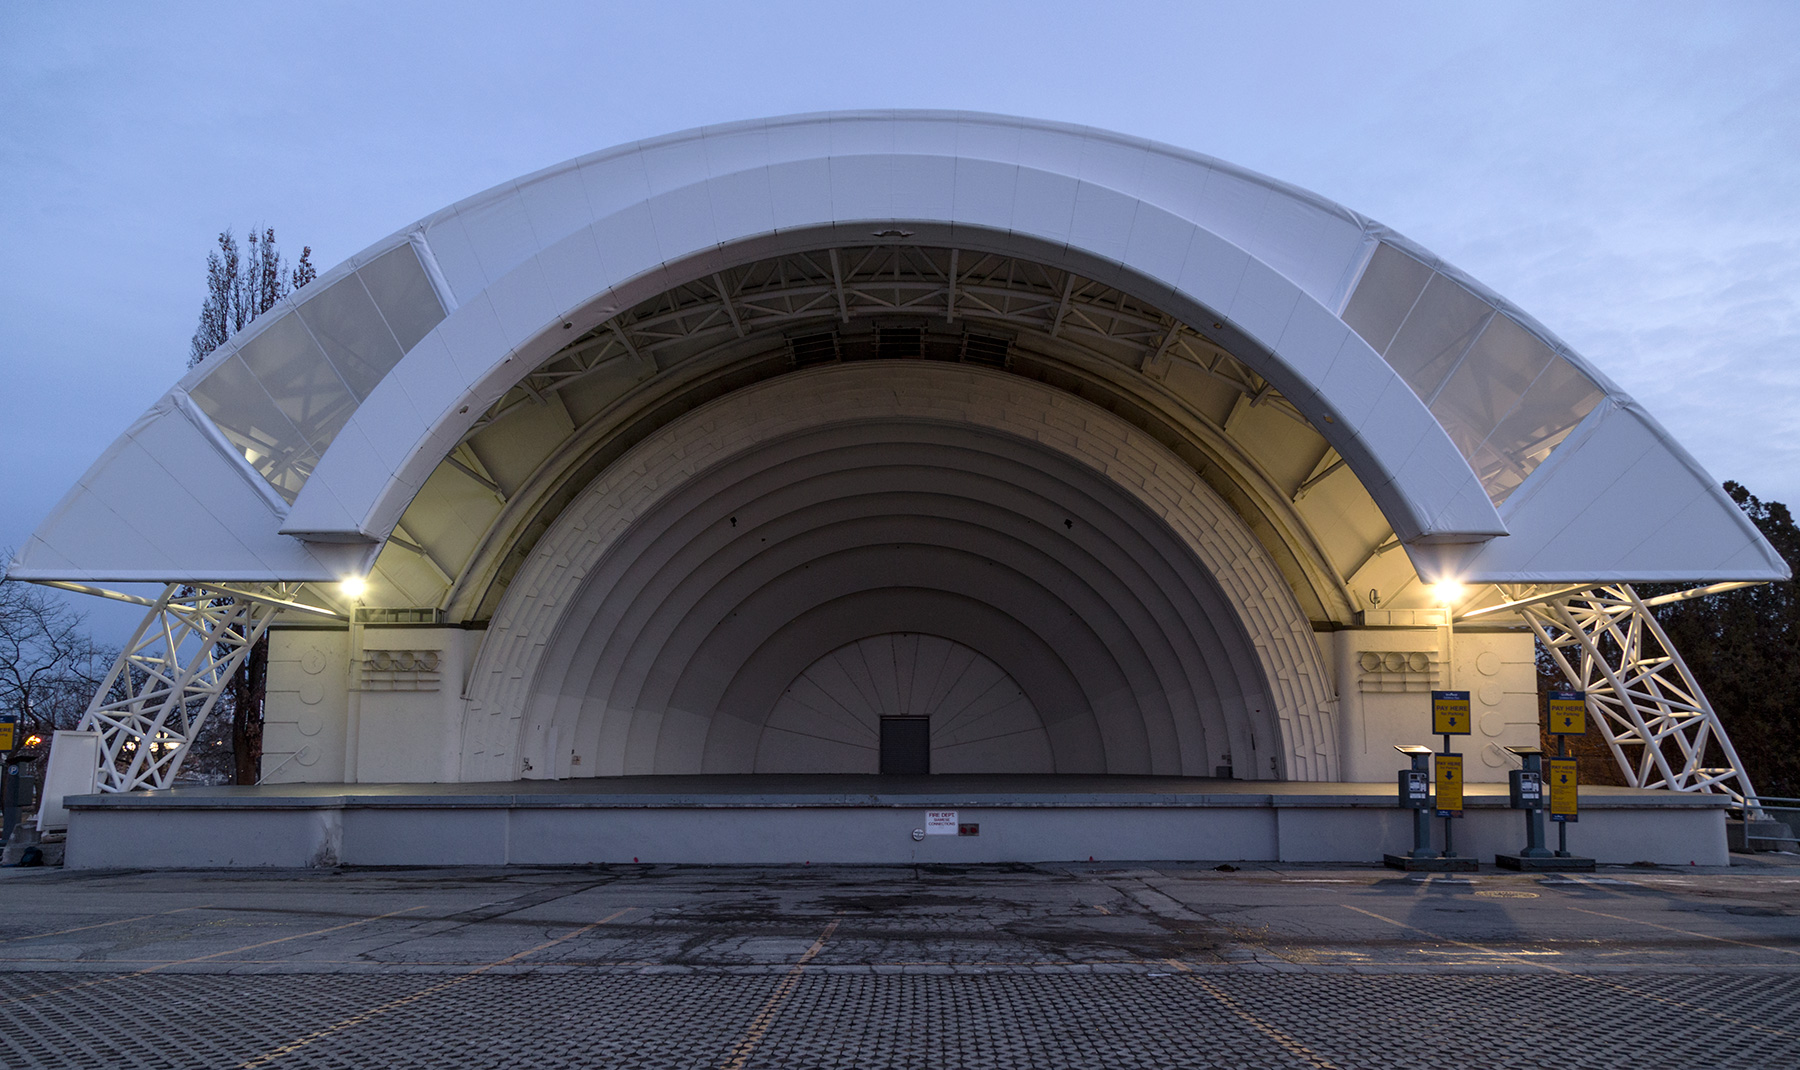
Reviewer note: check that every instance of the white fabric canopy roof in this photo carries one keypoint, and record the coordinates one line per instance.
(1494, 452)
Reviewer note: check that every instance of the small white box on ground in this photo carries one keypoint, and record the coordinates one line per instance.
(73, 769)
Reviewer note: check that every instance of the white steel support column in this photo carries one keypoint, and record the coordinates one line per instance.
(157, 697)
(1650, 708)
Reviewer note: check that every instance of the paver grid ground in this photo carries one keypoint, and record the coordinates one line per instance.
(865, 968)
(877, 1021)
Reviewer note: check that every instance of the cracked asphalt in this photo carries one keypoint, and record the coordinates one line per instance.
(1158, 965)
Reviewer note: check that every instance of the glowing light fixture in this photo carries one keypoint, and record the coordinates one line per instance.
(353, 586)
(1447, 592)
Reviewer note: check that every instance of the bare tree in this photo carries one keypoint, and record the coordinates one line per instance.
(242, 284)
(248, 688)
(49, 667)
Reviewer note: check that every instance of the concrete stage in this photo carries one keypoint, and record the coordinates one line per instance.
(842, 818)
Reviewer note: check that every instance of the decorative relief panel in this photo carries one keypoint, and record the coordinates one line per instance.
(1395, 671)
(400, 670)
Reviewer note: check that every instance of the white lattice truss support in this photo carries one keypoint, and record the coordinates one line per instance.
(1649, 707)
(167, 680)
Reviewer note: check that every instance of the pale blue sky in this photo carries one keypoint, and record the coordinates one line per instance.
(1628, 173)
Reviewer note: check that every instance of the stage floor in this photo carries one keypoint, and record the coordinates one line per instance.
(848, 789)
(766, 818)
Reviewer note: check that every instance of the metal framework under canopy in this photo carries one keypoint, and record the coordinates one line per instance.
(916, 286)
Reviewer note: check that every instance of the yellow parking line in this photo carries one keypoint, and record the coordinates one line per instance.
(759, 1025)
(1286, 1041)
(206, 958)
(1688, 932)
(392, 1005)
(98, 925)
(1614, 985)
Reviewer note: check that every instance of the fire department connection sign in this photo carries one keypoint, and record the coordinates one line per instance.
(940, 822)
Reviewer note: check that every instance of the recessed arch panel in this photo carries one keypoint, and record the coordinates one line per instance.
(828, 719)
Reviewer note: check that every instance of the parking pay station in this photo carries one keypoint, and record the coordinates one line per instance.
(1528, 791)
(1449, 717)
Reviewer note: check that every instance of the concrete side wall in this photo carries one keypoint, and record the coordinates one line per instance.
(1385, 677)
(306, 714)
(1620, 836)
(385, 720)
(409, 720)
(391, 835)
(203, 839)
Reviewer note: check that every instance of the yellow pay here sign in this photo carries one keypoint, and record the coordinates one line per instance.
(1568, 713)
(1449, 768)
(1450, 713)
(7, 736)
(1563, 782)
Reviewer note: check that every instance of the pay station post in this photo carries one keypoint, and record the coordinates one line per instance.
(10, 780)
(1551, 783)
(1567, 713)
(1525, 791)
(1564, 807)
(1415, 795)
(1449, 717)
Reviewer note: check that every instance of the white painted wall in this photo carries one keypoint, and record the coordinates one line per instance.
(306, 713)
(378, 725)
(409, 717)
(1391, 703)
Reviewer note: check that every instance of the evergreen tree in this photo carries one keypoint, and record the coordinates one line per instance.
(1744, 650)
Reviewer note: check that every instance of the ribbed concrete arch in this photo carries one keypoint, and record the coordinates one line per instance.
(657, 624)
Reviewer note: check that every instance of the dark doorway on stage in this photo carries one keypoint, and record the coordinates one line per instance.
(905, 745)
